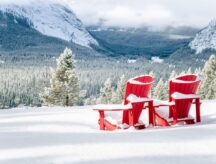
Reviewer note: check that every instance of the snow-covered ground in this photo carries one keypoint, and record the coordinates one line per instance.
(71, 135)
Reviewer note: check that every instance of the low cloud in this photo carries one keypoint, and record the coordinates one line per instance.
(135, 13)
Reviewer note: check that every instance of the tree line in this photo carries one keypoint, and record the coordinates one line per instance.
(67, 85)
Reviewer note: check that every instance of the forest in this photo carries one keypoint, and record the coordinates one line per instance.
(24, 79)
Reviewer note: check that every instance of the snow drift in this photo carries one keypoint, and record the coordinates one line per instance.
(71, 135)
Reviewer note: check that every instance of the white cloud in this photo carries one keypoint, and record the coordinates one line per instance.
(136, 13)
(125, 16)
(23, 2)
(133, 13)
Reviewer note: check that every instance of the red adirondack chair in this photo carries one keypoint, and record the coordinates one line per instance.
(122, 116)
(182, 94)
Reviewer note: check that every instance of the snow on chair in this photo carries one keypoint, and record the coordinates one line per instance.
(122, 116)
(182, 94)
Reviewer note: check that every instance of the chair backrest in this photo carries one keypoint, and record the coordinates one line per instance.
(186, 84)
(139, 86)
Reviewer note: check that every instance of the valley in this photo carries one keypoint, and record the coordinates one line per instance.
(30, 45)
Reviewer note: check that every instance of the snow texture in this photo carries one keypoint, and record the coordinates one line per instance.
(52, 19)
(134, 81)
(71, 135)
(157, 59)
(134, 99)
(112, 106)
(161, 102)
(176, 80)
(205, 39)
(178, 95)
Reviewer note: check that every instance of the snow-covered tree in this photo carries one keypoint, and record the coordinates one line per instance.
(160, 91)
(207, 89)
(172, 75)
(151, 73)
(189, 71)
(64, 82)
(198, 71)
(118, 95)
(106, 92)
(182, 73)
(90, 101)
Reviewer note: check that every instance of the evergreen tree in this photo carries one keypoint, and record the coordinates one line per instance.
(118, 95)
(189, 71)
(198, 71)
(160, 90)
(64, 83)
(172, 75)
(151, 73)
(207, 89)
(90, 101)
(106, 92)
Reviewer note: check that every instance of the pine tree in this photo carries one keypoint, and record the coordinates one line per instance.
(207, 89)
(182, 73)
(198, 71)
(106, 92)
(90, 101)
(172, 75)
(64, 82)
(151, 73)
(118, 95)
(160, 90)
(189, 71)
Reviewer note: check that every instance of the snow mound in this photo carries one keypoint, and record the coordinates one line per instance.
(71, 135)
(156, 59)
(52, 19)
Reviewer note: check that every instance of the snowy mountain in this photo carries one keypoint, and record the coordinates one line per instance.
(51, 19)
(205, 39)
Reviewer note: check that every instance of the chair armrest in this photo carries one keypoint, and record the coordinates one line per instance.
(158, 103)
(112, 107)
(134, 99)
(180, 96)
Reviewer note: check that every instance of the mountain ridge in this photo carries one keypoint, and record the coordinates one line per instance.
(52, 19)
(205, 39)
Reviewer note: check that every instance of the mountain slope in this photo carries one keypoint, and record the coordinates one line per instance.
(51, 19)
(205, 39)
(140, 42)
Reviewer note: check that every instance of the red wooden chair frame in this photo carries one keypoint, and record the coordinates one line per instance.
(132, 109)
(179, 108)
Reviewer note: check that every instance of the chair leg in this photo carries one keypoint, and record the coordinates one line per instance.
(151, 114)
(101, 115)
(131, 118)
(174, 114)
(198, 119)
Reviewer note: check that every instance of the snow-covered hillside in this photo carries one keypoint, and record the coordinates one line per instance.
(205, 39)
(52, 19)
(71, 135)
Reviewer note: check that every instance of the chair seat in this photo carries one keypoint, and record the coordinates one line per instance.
(157, 103)
(115, 118)
(163, 112)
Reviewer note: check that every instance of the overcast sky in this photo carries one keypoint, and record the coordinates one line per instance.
(135, 13)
